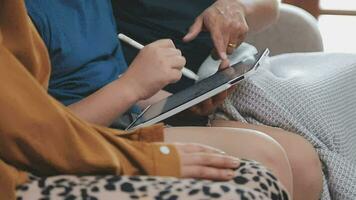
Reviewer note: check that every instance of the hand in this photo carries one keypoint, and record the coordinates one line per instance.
(157, 65)
(226, 22)
(208, 106)
(204, 162)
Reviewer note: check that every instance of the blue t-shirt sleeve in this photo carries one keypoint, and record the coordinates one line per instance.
(40, 21)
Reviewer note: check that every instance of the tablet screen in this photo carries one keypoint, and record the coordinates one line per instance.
(226, 77)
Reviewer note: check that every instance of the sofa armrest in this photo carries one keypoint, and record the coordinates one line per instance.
(295, 31)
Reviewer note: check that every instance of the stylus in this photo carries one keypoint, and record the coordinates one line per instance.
(186, 72)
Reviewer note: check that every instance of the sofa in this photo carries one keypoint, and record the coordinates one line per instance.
(295, 31)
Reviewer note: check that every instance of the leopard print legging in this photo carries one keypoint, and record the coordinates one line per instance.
(252, 181)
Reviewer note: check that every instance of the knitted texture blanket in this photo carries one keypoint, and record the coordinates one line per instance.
(313, 95)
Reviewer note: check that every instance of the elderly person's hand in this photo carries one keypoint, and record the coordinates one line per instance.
(225, 20)
(208, 106)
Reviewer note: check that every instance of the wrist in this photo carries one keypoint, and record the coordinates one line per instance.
(167, 154)
(129, 88)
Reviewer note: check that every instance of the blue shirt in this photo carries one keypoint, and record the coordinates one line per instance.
(82, 42)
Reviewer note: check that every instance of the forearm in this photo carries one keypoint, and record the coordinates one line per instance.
(260, 13)
(38, 134)
(108, 103)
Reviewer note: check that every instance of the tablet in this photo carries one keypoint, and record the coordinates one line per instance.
(199, 92)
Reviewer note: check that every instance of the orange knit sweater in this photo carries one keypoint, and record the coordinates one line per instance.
(40, 135)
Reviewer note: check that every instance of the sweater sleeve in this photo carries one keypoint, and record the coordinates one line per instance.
(38, 134)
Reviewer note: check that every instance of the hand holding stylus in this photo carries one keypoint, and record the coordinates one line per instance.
(186, 72)
(156, 65)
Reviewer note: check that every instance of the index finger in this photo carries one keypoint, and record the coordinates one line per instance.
(224, 64)
(212, 160)
(219, 43)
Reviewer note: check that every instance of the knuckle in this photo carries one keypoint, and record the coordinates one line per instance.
(179, 76)
(184, 61)
(176, 78)
(246, 28)
(239, 27)
(236, 27)
(243, 28)
(170, 42)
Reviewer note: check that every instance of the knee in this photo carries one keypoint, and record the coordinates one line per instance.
(271, 154)
(305, 163)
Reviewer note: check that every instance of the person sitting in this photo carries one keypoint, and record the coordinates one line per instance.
(303, 93)
(41, 139)
(85, 77)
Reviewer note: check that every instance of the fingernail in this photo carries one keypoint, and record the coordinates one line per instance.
(230, 173)
(236, 163)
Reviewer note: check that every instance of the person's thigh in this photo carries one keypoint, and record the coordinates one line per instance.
(304, 160)
(242, 143)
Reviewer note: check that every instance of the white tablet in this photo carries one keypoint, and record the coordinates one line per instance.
(199, 92)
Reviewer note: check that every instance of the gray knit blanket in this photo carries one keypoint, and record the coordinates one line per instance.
(313, 95)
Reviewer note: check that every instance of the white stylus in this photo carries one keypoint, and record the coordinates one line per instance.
(186, 72)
